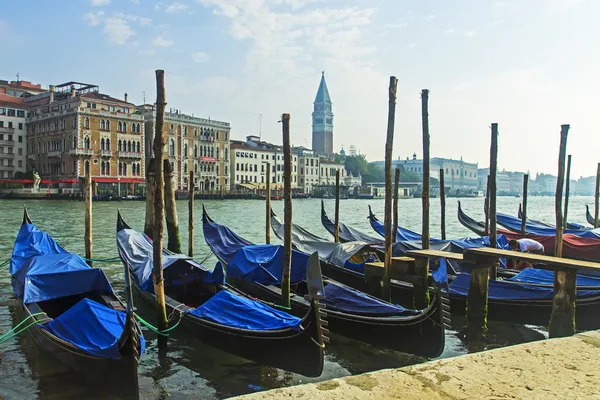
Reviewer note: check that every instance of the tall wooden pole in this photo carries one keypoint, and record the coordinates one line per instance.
(174, 242)
(562, 321)
(287, 211)
(567, 191)
(88, 216)
(524, 210)
(159, 213)
(597, 199)
(395, 207)
(442, 204)
(336, 227)
(268, 206)
(486, 206)
(387, 221)
(150, 192)
(492, 194)
(425, 193)
(191, 215)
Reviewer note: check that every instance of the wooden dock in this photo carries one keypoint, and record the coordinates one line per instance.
(564, 368)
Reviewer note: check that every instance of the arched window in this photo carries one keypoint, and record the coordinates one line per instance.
(212, 151)
(120, 146)
(102, 171)
(172, 147)
(124, 126)
(120, 168)
(107, 125)
(196, 151)
(102, 124)
(119, 127)
(217, 153)
(195, 168)
(217, 170)
(107, 144)
(86, 124)
(139, 129)
(74, 142)
(87, 167)
(195, 132)
(226, 151)
(124, 169)
(102, 144)
(108, 168)
(185, 168)
(129, 146)
(138, 150)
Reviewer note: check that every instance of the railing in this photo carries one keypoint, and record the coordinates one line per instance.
(106, 153)
(7, 167)
(129, 154)
(81, 152)
(7, 131)
(7, 155)
(31, 156)
(7, 142)
(55, 153)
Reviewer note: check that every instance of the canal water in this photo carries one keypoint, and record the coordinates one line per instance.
(190, 369)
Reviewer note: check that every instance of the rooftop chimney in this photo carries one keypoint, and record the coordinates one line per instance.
(51, 93)
(125, 97)
(73, 91)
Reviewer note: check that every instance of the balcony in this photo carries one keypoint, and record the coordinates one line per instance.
(105, 153)
(7, 142)
(31, 157)
(10, 167)
(129, 154)
(81, 152)
(7, 155)
(7, 131)
(55, 154)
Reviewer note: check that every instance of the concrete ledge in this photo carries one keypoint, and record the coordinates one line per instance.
(566, 368)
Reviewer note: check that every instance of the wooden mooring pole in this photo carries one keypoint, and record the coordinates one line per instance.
(486, 206)
(150, 192)
(442, 205)
(287, 211)
(268, 205)
(336, 227)
(524, 210)
(395, 206)
(160, 141)
(421, 292)
(387, 221)
(174, 242)
(562, 321)
(492, 195)
(191, 187)
(567, 191)
(597, 200)
(88, 215)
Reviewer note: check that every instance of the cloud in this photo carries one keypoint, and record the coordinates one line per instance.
(117, 30)
(176, 8)
(99, 3)
(429, 17)
(470, 33)
(93, 19)
(200, 57)
(397, 25)
(160, 41)
(449, 31)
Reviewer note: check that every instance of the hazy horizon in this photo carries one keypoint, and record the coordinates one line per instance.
(529, 66)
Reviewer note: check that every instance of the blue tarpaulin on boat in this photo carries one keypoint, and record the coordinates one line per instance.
(264, 264)
(514, 224)
(223, 241)
(233, 310)
(92, 327)
(53, 276)
(545, 277)
(136, 248)
(506, 290)
(352, 301)
(401, 233)
(346, 232)
(32, 242)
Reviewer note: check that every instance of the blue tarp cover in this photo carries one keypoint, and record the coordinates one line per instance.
(224, 242)
(137, 249)
(92, 327)
(264, 264)
(346, 232)
(514, 224)
(32, 242)
(402, 233)
(352, 301)
(502, 290)
(542, 276)
(230, 309)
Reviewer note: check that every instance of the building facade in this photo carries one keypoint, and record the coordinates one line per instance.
(322, 120)
(13, 132)
(328, 170)
(308, 168)
(248, 164)
(193, 144)
(73, 128)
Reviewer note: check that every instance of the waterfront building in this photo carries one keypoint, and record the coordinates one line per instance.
(248, 164)
(322, 120)
(73, 128)
(193, 144)
(13, 133)
(308, 168)
(328, 170)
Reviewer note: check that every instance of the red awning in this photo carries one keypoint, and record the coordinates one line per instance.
(116, 180)
(16, 181)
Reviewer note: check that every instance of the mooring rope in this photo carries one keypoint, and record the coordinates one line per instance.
(14, 331)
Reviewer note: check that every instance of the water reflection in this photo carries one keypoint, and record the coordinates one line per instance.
(190, 369)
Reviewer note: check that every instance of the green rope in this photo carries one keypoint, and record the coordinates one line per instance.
(4, 263)
(114, 259)
(14, 332)
(155, 329)
(274, 305)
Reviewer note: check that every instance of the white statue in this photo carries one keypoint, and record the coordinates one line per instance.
(36, 182)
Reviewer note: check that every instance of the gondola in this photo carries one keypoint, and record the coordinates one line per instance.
(471, 224)
(402, 234)
(588, 216)
(80, 320)
(346, 233)
(570, 225)
(351, 313)
(514, 224)
(220, 315)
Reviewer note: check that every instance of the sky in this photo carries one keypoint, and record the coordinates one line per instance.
(529, 65)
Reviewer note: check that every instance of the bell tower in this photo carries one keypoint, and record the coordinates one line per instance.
(322, 120)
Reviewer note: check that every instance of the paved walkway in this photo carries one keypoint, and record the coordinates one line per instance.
(567, 368)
